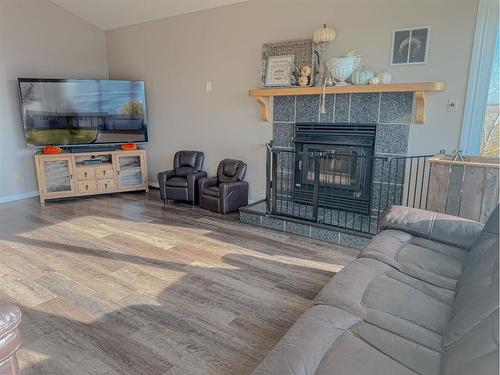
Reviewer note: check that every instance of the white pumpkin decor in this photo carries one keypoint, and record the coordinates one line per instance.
(324, 35)
(385, 77)
(362, 76)
(374, 81)
(305, 71)
(303, 81)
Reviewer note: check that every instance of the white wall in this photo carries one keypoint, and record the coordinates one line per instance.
(176, 56)
(39, 40)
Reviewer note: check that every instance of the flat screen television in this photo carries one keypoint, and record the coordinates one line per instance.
(70, 112)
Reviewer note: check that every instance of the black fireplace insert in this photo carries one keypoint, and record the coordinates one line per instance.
(334, 161)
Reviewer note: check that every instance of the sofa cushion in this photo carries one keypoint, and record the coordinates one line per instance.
(327, 340)
(367, 349)
(177, 182)
(387, 298)
(430, 261)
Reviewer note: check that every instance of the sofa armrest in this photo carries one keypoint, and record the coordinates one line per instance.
(162, 179)
(448, 229)
(305, 344)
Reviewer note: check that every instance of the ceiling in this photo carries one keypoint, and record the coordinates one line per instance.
(110, 14)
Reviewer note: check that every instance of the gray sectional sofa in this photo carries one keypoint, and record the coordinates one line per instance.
(422, 298)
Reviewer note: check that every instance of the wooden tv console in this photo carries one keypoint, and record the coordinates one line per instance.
(74, 174)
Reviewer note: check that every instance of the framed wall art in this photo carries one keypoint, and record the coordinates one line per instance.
(410, 46)
(279, 69)
(303, 51)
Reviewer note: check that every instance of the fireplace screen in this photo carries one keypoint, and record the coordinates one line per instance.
(338, 159)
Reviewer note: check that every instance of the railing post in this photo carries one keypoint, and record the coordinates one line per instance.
(274, 180)
(317, 165)
(268, 180)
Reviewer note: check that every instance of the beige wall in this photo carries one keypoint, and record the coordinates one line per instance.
(176, 56)
(38, 39)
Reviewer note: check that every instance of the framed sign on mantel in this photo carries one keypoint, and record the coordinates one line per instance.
(279, 69)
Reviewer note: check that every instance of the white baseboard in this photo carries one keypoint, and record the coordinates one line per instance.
(154, 184)
(17, 197)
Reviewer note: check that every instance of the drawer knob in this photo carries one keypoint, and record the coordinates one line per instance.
(86, 187)
(85, 174)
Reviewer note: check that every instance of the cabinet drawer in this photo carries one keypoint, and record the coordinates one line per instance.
(87, 187)
(104, 172)
(105, 185)
(85, 173)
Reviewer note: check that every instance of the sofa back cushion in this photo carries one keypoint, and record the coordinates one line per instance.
(473, 329)
(476, 352)
(448, 229)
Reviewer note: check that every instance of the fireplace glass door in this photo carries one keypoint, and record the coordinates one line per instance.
(339, 167)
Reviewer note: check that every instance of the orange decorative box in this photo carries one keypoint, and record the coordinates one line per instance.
(129, 147)
(52, 150)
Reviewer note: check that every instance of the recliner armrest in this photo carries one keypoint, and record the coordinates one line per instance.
(206, 182)
(449, 229)
(229, 187)
(192, 180)
(162, 179)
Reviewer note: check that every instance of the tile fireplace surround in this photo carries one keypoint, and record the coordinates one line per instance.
(392, 112)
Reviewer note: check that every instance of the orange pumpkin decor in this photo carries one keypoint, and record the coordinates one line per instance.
(52, 150)
(129, 146)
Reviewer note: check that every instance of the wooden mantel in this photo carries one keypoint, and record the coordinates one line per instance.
(262, 95)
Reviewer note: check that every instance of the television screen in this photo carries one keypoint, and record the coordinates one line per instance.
(82, 112)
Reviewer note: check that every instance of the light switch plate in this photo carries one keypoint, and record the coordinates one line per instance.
(209, 86)
(452, 105)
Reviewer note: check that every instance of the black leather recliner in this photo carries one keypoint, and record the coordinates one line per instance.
(227, 191)
(181, 183)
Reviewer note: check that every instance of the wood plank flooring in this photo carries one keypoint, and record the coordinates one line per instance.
(120, 285)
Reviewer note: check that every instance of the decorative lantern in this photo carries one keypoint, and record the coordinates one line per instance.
(323, 37)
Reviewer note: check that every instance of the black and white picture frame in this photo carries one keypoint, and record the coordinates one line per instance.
(410, 46)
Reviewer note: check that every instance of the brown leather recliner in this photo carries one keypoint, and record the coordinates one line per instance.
(227, 191)
(10, 339)
(181, 183)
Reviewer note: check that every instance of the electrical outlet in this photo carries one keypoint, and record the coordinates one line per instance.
(209, 86)
(452, 105)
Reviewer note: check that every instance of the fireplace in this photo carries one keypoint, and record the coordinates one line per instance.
(335, 162)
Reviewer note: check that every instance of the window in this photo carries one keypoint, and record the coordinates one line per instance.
(480, 129)
(490, 141)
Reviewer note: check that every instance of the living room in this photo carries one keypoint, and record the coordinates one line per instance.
(249, 186)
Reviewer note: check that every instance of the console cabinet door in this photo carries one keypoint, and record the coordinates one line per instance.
(131, 171)
(56, 177)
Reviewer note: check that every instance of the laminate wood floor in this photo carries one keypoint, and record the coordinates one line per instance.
(120, 285)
